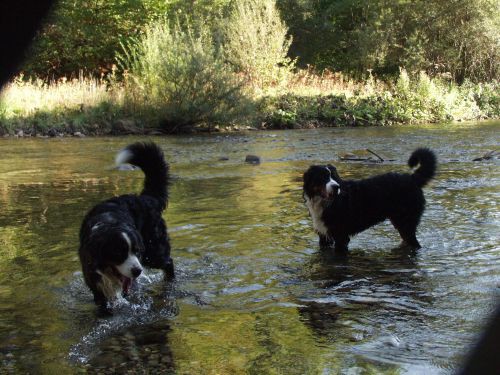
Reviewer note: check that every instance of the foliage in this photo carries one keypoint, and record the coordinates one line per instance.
(206, 13)
(178, 75)
(96, 107)
(459, 37)
(255, 42)
(85, 35)
(417, 99)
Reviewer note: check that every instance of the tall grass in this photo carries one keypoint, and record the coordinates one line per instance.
(63, 106)
(333, 100)
(308, 99)
(27, 97)
(307, 82)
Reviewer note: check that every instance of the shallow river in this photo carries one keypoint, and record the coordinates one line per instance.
(253, 292)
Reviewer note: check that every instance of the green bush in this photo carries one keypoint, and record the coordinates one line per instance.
(418, 99)
(487, 97)
(178, 76)
(423, 99)
(256, 42)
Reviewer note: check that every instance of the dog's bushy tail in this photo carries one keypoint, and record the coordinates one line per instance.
(149, 157)
(426, 161)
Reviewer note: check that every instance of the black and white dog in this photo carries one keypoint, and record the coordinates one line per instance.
(120, 235)
(342, 208)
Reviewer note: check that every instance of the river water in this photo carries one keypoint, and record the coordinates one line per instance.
(253, 294)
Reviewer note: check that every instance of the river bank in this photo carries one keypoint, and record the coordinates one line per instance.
(90, 107)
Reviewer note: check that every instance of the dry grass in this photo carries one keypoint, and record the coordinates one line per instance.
(306, 82)
(21, 98)
(90, 104)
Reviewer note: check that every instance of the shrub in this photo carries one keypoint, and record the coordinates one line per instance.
(178, 76)
(487, 97)
(255, 42)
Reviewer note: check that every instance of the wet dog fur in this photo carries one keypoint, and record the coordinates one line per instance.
(342, 208)
(122, 234)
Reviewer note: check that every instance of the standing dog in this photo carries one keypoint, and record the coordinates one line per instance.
(342, 208)
(121, 234)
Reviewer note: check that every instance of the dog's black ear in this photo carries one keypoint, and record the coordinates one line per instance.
(137, 242)
(95, 246)
(306, 177)
(307, 180)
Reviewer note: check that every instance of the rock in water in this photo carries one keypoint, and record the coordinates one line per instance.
(252, 159)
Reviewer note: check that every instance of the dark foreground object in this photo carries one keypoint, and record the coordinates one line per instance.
(19, 21)
(121, 234)
(485, 357)
(342, 208)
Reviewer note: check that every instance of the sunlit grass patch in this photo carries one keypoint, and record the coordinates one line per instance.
(26, 97)
(307, 82)
(66, 105)
(331, 99)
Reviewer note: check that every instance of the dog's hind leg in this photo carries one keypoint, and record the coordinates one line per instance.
(407, 230)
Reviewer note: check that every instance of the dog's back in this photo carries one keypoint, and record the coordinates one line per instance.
(391, 195)
(153, 198)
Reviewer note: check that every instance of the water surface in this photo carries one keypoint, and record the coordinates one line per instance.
(253, 292)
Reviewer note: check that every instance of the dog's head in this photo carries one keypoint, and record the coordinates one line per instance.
(116, 253)
(322, 181)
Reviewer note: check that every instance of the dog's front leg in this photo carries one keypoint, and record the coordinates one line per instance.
(168, 270)
(341, 243)
(102, 303)
(325, 241)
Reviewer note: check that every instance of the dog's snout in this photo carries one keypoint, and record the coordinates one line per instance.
(136, 272)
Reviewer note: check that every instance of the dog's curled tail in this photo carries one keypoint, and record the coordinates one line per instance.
(426, 161)
(149, 158)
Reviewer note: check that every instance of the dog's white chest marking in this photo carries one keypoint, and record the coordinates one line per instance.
(110, 286)
(315, 206)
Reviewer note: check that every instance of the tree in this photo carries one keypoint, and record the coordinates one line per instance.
(459, 37)
(85, 35)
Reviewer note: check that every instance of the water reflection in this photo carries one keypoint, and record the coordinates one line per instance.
(134, 349)
(389, 282)
(253, 292)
